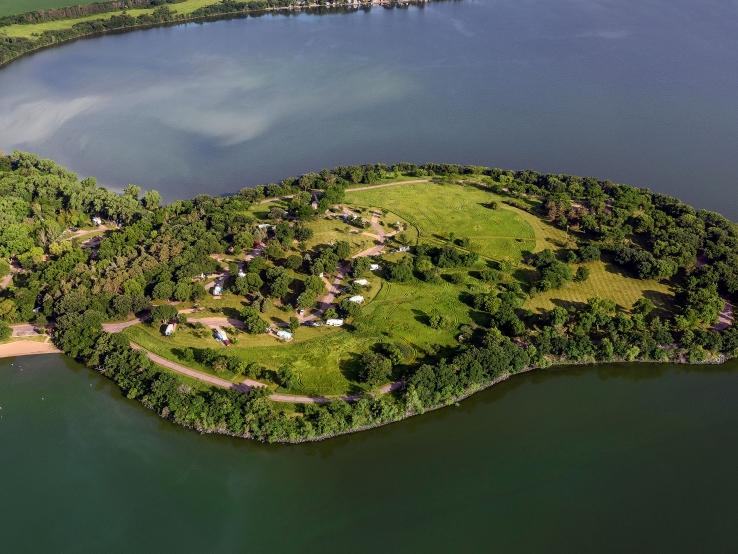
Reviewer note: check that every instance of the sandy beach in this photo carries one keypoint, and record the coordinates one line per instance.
(26, 348)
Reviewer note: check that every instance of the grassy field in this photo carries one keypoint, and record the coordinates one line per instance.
(12, 7)
(436, 209)
(605, 283)
(326, 359)
(329, 231)
(29, 30)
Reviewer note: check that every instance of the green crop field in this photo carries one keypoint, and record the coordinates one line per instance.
(185, 7)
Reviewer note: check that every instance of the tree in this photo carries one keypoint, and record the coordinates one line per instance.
(287, 377)
(182, 291)
(375, 368)
(643, 306)
(293, 262)
(163, 290)
(294, 324)
(5, 331)
(582, 274)
(132, 191)
(401, 271)
(151, 199)
(343, 250)
(164, 313)
(252, 321)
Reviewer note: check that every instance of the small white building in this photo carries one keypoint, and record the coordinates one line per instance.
(217, 290)
(374, 267)
(241, 273)
(334, 322)
(358, 299)
(169, 330)
(363, 282)
(221, 335)
(286, 336)
(403, 249)
(97, 220)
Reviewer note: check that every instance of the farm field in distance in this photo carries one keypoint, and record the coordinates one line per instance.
(12, 7)
(28, 30)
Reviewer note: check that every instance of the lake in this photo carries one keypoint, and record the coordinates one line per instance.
(608, 459)
(638, 92)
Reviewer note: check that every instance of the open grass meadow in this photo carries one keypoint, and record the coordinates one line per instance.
(437, 209)
(12, 7)
(605, 282)
(327, 359)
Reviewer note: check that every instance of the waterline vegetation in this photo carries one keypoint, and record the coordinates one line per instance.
(445, 279)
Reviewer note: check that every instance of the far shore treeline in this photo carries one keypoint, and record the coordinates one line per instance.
(114, 17)
(153, 253)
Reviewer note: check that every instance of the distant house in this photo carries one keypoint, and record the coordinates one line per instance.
(403, 249)
(217, 290)
(373, 267)
(358, 299)
(169, 330)
(241, 273)
(97, 220)
(362, 282)
(334, 322)
(286, 336)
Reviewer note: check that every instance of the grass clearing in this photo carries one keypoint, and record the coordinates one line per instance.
(436, 209)
(330, 231)
(13, 7)
(605, 283)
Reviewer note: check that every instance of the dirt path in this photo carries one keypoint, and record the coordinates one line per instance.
(727, 317)
(217, 321)
(249, 384)
(118, 326)
(367, 187)
(392, 184)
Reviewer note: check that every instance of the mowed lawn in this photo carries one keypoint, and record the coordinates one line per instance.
(437, 209)
(330, 231)
(602, 282)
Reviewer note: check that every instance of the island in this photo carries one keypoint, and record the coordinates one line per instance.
(354, 297)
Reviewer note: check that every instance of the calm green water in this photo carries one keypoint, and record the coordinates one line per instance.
(629, 458)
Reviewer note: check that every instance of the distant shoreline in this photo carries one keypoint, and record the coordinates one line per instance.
(318, 9)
